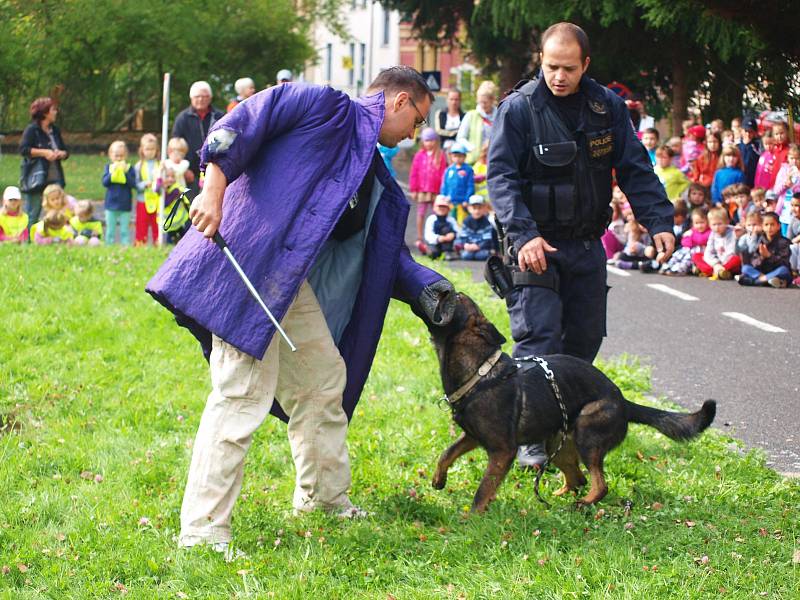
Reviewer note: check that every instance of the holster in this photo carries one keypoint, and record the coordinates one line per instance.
(503, 274)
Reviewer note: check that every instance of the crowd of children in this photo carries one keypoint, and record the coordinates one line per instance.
(737, 206)
(68, 221)
(461, 225)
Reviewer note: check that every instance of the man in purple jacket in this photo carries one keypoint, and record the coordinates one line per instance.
(296, 187)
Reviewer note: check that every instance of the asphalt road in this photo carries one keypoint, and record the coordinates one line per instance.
(696, 352)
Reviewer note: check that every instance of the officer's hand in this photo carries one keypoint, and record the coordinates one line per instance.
(665, 245)
(206, 213)
(531, 256)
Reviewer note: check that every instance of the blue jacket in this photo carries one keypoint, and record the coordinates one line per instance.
(723, 178)
(509, 152)
(458, 183)
(294, 155)
(477, 231)
(750, 154)
(118, 195)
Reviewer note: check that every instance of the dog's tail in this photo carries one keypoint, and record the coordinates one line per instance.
(678, 426)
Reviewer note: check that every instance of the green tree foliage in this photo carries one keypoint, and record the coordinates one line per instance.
(666, 50)
(105, 59)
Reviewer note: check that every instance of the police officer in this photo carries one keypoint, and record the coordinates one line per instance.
(555, 142)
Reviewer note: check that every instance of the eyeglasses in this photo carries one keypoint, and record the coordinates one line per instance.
(422, 121)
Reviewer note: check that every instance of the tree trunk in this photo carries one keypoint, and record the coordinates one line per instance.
(727, 89)
(680, 92)
(515, 65)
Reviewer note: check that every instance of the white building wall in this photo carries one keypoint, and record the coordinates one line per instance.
(374, 44)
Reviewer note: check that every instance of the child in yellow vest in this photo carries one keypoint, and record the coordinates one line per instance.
(13, 222)
(119, 179)
(147, 191)
(52, 229)
(480, 169)
(88, 230)
(55, 198)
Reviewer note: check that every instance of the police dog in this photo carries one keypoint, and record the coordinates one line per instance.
(509, 406)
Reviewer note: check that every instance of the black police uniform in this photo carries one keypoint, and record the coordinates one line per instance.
(550, 175)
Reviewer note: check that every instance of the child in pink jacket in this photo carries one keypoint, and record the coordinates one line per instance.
(693, 243)
(425, 177)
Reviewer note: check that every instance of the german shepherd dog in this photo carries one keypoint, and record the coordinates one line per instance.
(510, 406)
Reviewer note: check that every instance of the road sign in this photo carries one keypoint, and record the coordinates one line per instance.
(433, 79)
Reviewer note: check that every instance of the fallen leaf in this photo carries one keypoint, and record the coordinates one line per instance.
(5, 570)
(22, 568)
(61, 537)
(656, 506)
(242, 572)
(762, 532)
(423, 537)
(796, 557)
(639, 455)
(537, 533)
(628, 526)
(120, 588)
(182, 595)
(87, 475)
(690, 523)
(599, 514)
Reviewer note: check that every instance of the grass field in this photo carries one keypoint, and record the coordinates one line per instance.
(107, 393)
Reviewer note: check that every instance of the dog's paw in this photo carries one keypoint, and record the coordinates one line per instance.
(439, 481)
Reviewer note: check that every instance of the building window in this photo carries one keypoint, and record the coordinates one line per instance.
(329, 62)
(386, 27)
(352, 75)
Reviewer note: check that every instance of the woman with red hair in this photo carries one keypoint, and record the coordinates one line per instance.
(43, 150)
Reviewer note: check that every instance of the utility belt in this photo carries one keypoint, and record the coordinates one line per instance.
(503, 274)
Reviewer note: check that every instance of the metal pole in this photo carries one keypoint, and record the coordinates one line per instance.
(164, 134)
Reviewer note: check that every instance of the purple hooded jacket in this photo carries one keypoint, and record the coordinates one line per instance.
(293, 156)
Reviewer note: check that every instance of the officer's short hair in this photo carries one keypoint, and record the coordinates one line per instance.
(401, 79)
(569, 30)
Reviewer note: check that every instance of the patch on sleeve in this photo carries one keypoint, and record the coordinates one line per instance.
(220, 141)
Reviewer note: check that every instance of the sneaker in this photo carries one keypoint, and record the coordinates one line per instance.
(229, 553)
(745, 280)
(624, 264)
(777, 282)
(422, 247)
(725, 275)
(531, 456)
(695, 270)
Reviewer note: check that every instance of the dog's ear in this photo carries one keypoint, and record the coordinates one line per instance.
(489, 332)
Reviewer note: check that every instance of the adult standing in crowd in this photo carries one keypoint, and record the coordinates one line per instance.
(750, 149)
(476, 127)
(283, 76)
(322, 239)
(554, 145)
(193, 124)
(245, 87)
(43, 150)
(447, 121)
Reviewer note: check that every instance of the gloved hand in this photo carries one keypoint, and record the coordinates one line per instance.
(438, 302)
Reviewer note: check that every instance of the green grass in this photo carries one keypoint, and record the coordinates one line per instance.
(82, 173)
(102, 382)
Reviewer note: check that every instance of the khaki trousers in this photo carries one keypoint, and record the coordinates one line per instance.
(309, 385)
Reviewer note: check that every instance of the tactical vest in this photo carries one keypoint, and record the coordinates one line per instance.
(567, 177)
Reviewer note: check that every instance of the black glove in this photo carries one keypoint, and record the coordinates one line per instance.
(438, 302)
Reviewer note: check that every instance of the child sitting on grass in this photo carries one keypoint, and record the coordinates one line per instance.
(119, 179)
(719, 261)
(52, 229)
(13, 221)
(55, 198)
(477, 238)
(636, 241)
(765, 260)
(696, 196)
(441, 230)
(88, 230)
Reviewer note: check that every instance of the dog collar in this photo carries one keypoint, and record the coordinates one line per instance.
(483, 370)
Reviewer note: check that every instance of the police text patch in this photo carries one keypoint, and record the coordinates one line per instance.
(601, 146)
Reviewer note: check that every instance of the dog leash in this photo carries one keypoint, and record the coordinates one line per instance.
(551, 379)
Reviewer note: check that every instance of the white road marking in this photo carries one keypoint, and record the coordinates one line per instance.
(672, 292)
(754, 322)
(617, 271)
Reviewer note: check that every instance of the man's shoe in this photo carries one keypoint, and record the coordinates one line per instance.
(777, 282)
(648, 266)
(532, 456)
